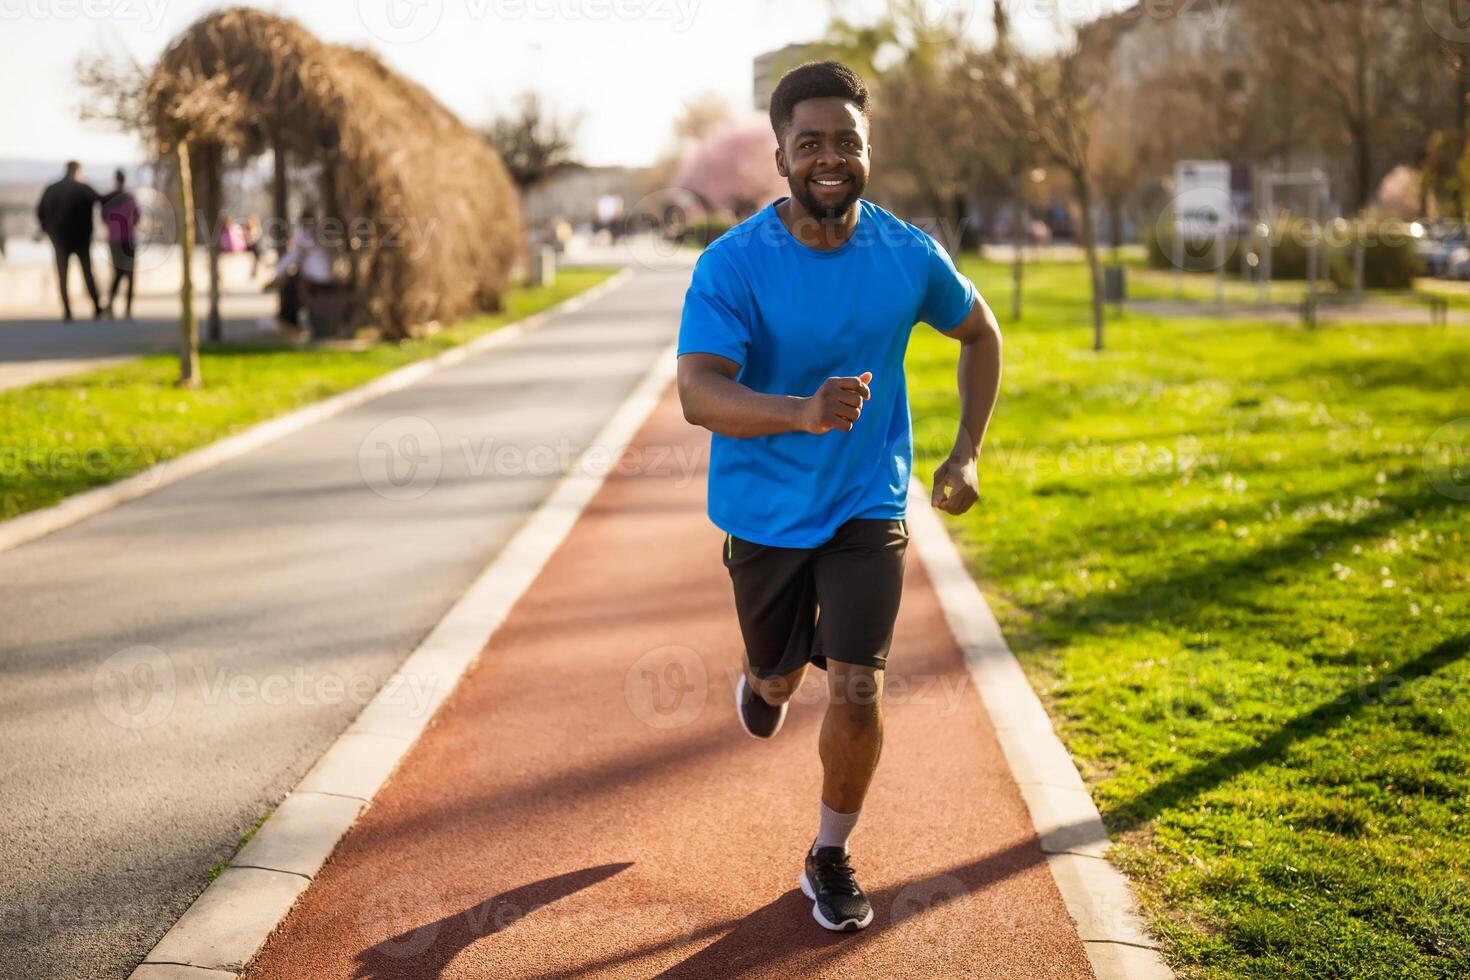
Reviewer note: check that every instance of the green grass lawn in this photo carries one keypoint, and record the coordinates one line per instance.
(1222, 553)
(1146, 283)
(74, 433)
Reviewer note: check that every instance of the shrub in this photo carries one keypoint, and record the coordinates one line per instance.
(1389, 261)
(702, 231)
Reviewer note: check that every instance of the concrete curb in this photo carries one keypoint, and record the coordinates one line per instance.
(231, 920)
(1067, 822)
(39, 523)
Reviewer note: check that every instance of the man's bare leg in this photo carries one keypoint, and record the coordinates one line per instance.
(852, 734)
(850, 743)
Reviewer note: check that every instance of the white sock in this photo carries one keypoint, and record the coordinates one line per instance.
(835, 828)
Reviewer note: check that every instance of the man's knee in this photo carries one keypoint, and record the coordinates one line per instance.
(854, 691)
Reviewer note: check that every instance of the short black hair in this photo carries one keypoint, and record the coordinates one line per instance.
(815, 80)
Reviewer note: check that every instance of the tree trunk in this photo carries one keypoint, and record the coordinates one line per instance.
(1363, 151)
(188, 327)
(1018, 241)
(959, 212)
(280, 201)
(1089, 244)
(1115, 222)
(214, 203)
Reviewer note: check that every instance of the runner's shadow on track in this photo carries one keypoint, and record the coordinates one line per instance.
(422, 953)
(782, 935)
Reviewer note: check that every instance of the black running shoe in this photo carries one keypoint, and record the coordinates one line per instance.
(837, 901)
(758, 718)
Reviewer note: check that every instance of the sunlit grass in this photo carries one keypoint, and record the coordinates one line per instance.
(1226, 560)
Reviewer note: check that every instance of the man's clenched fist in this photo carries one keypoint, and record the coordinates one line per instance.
(956, 485)
(836, 405)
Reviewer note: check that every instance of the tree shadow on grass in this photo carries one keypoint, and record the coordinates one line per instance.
(1179, 592)
(1365, 374)
(1201, 779)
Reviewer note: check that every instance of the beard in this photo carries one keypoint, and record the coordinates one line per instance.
(828, 211)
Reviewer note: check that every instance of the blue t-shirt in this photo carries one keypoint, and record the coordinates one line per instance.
(792, 316)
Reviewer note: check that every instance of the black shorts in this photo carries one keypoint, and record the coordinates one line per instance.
(838, 600)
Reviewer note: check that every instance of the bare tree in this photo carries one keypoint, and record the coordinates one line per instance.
(532, 140)
(928, 128)
(1047, 101)
(700, 116)
(1350, 59)
(118, 94)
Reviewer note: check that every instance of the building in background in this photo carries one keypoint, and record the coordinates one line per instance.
(769, 67)
(572, 192)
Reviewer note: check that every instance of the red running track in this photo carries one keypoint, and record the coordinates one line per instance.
(586, 804)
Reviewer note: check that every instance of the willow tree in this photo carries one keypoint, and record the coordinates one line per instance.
(419, 209)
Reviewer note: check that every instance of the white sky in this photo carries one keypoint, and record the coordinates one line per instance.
(627, 64)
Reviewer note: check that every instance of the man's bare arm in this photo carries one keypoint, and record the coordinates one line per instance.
(956, 483)
(712, 398)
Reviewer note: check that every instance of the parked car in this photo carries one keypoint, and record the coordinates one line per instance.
(1436, 250)
(1457, 264)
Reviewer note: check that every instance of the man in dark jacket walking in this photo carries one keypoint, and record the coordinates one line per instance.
(65, 214)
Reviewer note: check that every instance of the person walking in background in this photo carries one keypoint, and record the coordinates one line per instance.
(231, 236)
(65, 215)
(306, 265)
(254, 244)
(120, 216)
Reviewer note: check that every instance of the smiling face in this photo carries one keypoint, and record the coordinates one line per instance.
(824, 156)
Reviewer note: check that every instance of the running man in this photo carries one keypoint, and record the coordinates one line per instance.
(791, 353)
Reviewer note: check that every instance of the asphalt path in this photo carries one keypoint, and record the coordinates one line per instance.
(170, 668)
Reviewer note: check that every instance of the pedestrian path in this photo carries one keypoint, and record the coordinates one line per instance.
(36, 345)
(585, 803)
(171, 667)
